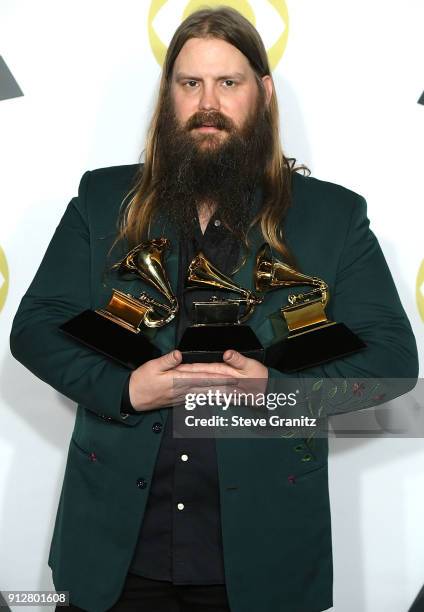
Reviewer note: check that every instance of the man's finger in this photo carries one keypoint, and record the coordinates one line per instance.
(199, 383)
(201, 377)
(182, 393)
(222, 369)
(169, 361)
(235, 360)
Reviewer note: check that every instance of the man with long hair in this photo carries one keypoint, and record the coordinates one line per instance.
(147, 521)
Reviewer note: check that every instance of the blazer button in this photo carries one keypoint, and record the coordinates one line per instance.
(157, 427)
(104, 417)
(141, 483)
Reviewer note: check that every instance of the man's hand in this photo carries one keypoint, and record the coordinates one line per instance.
(152, 384)
(244, 366)
(251, 375)
(235, 365)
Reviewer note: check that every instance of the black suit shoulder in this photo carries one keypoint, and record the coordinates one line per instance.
(329, 211)
(102, 193)
(112, 182)
(324, 197)
(116, 174)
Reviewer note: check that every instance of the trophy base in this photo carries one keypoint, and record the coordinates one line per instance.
(102, 335)
(313, 347)
(208, 343)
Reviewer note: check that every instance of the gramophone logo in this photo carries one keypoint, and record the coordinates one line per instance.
(4, 278)
(270, 17)
(420, 290)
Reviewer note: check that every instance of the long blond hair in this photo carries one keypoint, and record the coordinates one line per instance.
(141, 203)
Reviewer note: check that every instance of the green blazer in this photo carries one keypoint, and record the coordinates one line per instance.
(275, 528)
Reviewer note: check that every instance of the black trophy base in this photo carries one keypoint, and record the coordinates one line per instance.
(208, 343)
(311, 348)
(102, 335)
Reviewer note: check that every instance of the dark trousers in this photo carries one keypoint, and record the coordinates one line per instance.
(146, 595)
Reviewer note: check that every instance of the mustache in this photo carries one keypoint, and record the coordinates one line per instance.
(211, 119)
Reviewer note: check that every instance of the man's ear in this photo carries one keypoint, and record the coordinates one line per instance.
(268, 87)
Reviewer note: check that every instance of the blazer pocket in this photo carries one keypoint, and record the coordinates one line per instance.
(84, 450)
(316, 471)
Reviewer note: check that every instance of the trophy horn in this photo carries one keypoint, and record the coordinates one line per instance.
(146, 260)
(271, 273)
(202, 272)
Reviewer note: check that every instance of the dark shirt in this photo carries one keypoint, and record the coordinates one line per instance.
(185, 545)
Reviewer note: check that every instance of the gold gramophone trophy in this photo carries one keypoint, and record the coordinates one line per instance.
(313, 338)
(116, 329)
(218, 323)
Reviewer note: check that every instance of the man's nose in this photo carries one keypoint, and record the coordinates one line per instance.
(209, 99)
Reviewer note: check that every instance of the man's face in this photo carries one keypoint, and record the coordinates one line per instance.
(214, 135)
(214, 90)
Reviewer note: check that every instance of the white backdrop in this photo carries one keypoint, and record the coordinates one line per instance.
(348, 85)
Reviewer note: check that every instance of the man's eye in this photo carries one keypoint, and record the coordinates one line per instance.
(229, 83)
(191, 84)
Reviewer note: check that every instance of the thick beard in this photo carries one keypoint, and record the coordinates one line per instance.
(195, 169)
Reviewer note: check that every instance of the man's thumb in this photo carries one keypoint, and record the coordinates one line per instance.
(170, 360)
(235, 359)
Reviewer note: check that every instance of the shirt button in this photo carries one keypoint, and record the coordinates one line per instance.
(180, 506)
(184, 457)
(217, 223)
(141, 483)
(157, 427)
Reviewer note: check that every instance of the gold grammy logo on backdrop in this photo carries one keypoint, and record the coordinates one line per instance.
(420, 290)
(4, 278)
(271, 18)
